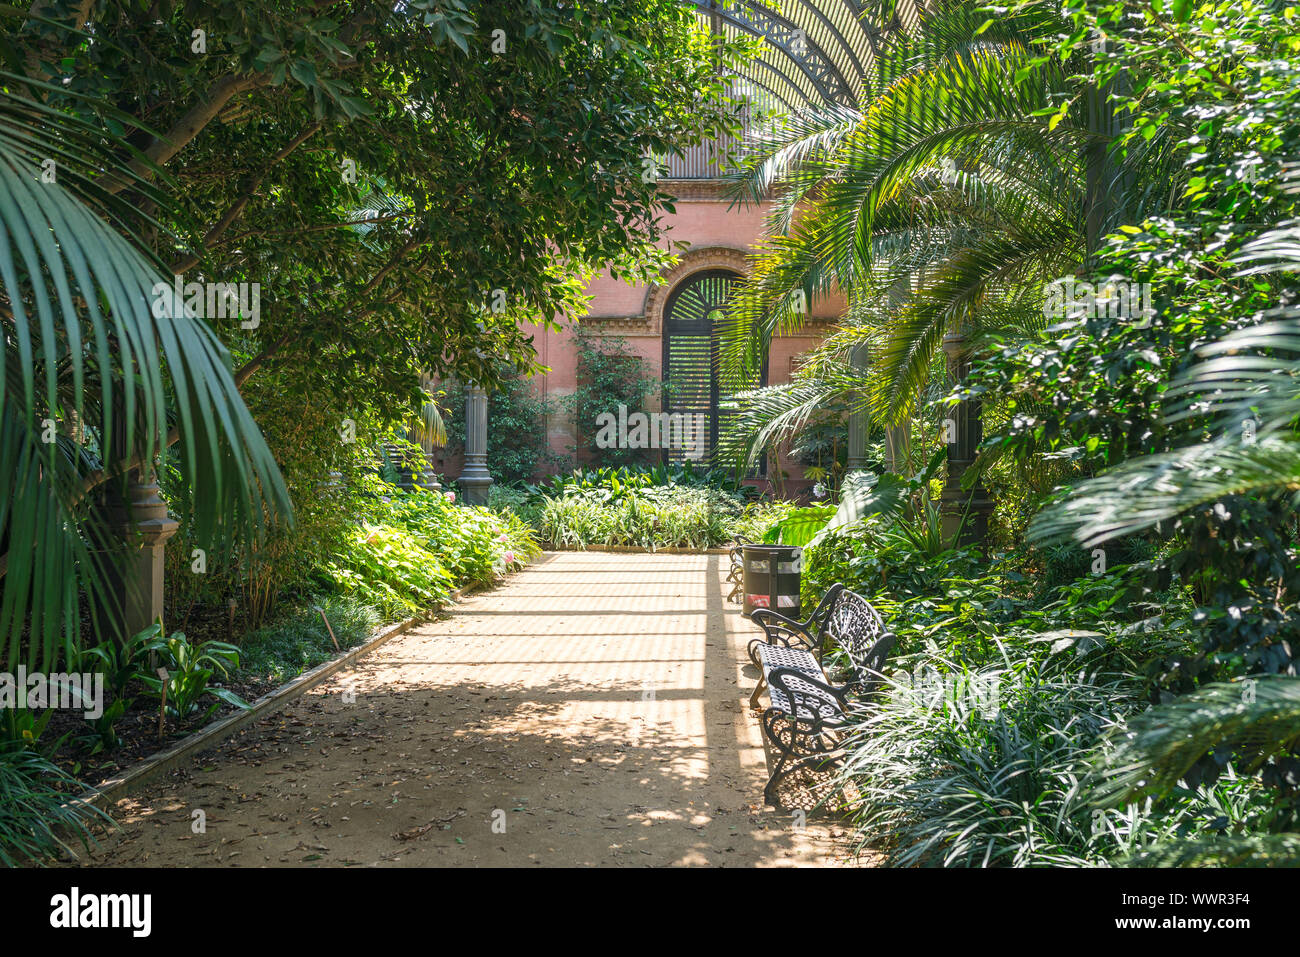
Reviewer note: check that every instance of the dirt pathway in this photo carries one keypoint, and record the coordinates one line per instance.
(590, 711)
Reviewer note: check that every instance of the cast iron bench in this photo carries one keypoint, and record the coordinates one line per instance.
(808, 712)
(736, 577)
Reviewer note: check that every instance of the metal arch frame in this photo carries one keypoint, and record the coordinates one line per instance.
(856, 9)
(786, 101)
(775, 95)
(872, 31)
(816, 64)
(855, 43)
(773, 68)
(835, 32)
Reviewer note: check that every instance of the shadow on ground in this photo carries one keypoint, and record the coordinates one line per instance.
(484, 740)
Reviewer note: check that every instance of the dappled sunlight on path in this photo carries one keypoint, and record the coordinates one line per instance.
(589, 711)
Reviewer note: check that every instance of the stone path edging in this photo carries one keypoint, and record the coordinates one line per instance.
(141, 772)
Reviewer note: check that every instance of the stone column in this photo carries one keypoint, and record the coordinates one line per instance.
(963, 510)
(140, 522)
(474, 477)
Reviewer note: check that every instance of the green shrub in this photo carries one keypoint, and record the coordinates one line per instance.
(980, 767)
(124, 665)
(611, 482)
(35, 812)
(322, 475)
(389, 568)
(414, 547)
(476, 545)
(992, 766)
(190, 670)
(299, 641)
(655, 517)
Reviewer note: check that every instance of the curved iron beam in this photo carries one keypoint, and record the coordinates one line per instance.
(844, 42)
(780, 32)
(773, 68)
(775, 95)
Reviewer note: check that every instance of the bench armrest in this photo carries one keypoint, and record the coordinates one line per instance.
(785, 621)
(780, 630)
(804, 629)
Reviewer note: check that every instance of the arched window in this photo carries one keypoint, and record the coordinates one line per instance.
(692, 319)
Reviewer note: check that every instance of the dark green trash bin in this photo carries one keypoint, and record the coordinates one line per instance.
(771, 578)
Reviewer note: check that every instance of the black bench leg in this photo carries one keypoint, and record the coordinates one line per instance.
(769, 790)
(781, 766)
(789, 759)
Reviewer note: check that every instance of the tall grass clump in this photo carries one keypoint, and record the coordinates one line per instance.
(37, 818)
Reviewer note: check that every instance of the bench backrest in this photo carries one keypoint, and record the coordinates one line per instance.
(736, 552)
(858, 628)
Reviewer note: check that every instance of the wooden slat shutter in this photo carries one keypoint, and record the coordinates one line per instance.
(690, 369)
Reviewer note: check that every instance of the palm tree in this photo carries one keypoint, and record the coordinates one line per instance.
(949, 182)
(96, 380)
(1159, 747)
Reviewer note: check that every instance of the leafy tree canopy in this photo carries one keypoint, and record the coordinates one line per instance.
(406, 182)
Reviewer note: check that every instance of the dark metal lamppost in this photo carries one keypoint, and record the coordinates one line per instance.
(965, 512)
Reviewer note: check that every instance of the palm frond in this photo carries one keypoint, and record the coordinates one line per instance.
(1261, 460)
(772, 415)
(1146, 491)
(1254, 850)
(1159, 746)
(93, 338)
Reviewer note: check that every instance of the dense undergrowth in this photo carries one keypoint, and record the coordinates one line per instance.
(642, 507)
(983, 748)
(1116, 371)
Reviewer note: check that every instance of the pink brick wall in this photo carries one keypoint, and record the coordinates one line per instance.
(719, 237)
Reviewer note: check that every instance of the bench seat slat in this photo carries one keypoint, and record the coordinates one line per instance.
(796, 659)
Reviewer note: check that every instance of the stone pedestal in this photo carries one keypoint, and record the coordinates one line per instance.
(474, 477)
(140, 523)
(413, 472)
(965, 512)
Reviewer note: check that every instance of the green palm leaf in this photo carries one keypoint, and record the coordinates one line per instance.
(85, 356)
(1159, 746)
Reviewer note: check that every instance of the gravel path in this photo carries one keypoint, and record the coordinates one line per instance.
(589, 711)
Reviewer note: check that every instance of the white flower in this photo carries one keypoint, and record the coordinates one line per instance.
(819, 490)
